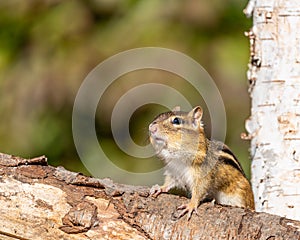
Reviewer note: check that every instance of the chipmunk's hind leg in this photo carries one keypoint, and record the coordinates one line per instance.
(188, 209)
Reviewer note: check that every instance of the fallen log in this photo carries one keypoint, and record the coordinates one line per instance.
(38, 201)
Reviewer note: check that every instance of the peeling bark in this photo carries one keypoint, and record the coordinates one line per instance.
(43, 202)
(274, 125)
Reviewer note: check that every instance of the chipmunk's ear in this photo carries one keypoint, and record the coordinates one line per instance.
(176, 109)
(196, 115)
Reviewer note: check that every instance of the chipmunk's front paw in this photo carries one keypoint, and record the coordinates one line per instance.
(189, 209)
(156, 190)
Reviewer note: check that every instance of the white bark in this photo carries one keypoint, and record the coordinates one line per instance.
(274, 76)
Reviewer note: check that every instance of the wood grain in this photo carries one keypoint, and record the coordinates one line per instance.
(38, 201)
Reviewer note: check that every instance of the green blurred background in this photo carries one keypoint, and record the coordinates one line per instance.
(47, 48)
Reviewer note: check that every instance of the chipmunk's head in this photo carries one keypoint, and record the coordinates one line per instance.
(177, 133)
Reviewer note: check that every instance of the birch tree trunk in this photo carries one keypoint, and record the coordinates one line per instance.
(273, 127)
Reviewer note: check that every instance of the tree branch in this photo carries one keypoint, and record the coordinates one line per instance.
(38, 201)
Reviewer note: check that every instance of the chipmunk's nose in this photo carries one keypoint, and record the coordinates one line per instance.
(153, 127)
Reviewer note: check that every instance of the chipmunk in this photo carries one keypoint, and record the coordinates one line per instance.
(204, 168)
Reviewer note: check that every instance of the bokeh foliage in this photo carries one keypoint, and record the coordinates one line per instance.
(48, 47)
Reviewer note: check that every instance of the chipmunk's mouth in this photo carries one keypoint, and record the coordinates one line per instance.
(159, 145)
(157, 142)
(158, 139)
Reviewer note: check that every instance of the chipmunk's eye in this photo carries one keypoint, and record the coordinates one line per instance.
(177, 121)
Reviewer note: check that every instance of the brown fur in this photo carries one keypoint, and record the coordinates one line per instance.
(203, 167)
